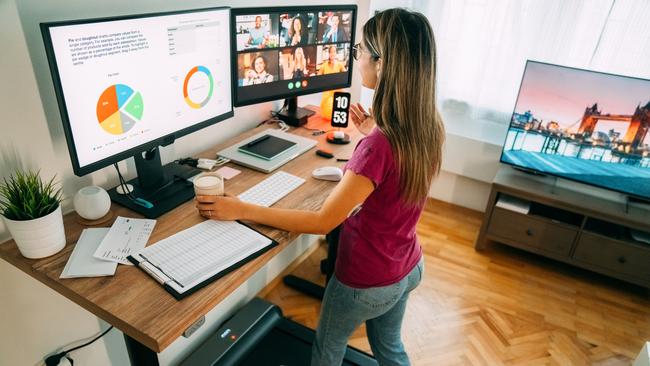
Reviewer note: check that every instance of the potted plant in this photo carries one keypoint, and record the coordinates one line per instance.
(31, 209)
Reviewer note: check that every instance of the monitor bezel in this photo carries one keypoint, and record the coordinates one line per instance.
(58, 90)
(602, 186)
(280, 9)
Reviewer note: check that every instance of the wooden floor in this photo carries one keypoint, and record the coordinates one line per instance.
(500, 306)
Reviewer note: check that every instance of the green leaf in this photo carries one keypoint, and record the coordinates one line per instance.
(25, 196)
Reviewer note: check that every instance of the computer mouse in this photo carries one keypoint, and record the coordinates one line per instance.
(331, 173)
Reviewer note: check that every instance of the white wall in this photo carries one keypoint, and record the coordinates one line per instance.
(35, 320)
(468, 168)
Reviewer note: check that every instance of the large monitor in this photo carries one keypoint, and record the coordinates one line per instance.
(582, 125)
(284, 52)
(126, 85)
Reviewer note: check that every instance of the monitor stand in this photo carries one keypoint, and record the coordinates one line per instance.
(165, 187)
(293, 115)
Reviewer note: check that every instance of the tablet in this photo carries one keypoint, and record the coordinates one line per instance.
(267, 147)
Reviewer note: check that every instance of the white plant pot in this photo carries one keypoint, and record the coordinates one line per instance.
(40, 237)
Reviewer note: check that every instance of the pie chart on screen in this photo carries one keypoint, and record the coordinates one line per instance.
(198, 87)
(119, 108)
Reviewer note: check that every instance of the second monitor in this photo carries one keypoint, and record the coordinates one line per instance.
(285, 52)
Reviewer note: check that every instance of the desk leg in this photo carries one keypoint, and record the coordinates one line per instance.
(139, 354)
(327, 267)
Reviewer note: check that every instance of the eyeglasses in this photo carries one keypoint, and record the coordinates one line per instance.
(357, 51)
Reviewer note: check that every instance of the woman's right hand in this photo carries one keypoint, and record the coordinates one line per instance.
(362, 119)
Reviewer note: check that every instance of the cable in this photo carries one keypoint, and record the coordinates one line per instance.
(311, 129)
(221, 161)
(127, 192)
(55, 359)
(281, 125)
(273, 119)
(187, 161)
(123, 184)
(175, 179)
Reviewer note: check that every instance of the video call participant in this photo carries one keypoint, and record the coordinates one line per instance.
(298, 33)
(258, 37)
(335, 33)
(259, 74)
(389, 175)
(296, 65)
(332, 65)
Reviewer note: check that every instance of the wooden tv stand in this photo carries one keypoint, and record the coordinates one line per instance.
(587, 231)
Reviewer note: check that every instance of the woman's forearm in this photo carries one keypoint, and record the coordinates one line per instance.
(301, 221)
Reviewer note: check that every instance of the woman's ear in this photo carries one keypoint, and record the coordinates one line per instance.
(378, 65)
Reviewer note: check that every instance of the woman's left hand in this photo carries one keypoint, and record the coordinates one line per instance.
(224, 208)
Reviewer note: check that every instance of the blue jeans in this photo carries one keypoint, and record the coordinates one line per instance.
(382, 308)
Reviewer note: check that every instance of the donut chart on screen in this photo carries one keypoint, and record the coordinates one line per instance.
(193, 73)
(119, 108)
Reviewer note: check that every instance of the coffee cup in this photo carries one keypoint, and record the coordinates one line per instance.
(208, 184)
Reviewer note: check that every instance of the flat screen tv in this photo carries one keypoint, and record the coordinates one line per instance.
(581, 125)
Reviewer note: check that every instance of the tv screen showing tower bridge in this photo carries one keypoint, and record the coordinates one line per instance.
(582, 125)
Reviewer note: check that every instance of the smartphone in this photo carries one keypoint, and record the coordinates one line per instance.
(341, 110)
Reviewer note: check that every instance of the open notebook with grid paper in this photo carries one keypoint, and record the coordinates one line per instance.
(192, 258)
(271, 189)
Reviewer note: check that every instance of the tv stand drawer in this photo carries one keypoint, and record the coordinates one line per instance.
(524, 230)
(628, 259)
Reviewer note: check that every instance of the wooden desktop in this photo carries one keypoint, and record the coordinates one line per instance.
(133, 302)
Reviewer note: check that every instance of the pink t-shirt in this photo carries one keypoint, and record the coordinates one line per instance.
(378, 246)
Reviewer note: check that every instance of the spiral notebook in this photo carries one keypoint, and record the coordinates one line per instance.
(193, 258)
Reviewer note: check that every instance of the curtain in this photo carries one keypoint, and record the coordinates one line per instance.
(483, 46)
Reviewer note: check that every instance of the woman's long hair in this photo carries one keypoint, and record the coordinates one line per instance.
(292, 31)
(302, 63)
(404, 104)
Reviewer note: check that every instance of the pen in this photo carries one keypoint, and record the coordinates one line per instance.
(342, 159)
(257, 141)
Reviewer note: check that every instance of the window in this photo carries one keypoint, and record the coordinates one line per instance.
(483, 45)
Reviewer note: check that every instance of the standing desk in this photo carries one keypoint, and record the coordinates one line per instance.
(150, 318)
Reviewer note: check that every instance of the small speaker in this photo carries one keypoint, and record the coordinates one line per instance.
(92, 203)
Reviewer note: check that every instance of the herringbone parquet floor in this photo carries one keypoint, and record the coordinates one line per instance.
(498, 307)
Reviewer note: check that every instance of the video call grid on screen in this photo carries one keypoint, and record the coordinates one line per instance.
(291, 51)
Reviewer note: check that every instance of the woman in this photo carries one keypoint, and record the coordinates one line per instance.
(297, 32)
(379, 260)
(258, 75)
(332, 65)
(298, 64)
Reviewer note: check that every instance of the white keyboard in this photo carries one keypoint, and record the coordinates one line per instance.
(271, 189)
